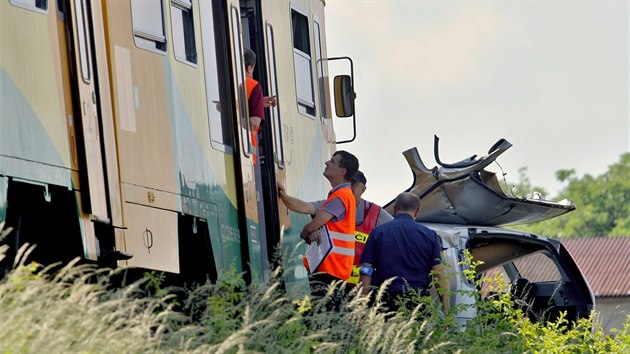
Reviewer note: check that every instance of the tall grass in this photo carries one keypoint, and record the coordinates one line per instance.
(74, 309)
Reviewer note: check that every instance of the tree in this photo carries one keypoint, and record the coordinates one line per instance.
(602, 204)
(524, 187)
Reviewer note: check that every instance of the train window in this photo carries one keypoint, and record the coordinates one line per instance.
(61, 10)
(237, 44)
(302, 62)
(183, 31)
(148, 24)
(83, 48)
(321, 79)
(40, 6)
(220, 126)
(273, 85)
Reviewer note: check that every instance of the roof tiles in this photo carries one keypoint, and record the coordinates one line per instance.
(605, 261)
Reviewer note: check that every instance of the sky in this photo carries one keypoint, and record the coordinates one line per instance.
(551, 77)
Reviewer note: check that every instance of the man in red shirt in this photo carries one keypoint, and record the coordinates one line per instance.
(255, 99)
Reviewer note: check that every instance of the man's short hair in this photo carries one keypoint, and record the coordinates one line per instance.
(349, 162)
(250, 57)
(407, 202)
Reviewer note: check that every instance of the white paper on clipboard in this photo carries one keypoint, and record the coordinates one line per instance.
(315, 253)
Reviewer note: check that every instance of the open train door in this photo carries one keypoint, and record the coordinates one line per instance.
(274, 131)
(258, 36)
(87, 118)
(253, 241)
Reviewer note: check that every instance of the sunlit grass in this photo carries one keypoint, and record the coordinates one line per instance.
(75, 309)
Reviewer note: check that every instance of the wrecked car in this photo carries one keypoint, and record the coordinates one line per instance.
(465, 205)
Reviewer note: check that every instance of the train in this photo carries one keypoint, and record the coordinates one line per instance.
(125, 138)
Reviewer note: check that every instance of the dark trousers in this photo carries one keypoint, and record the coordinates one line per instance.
(394, 300)
(319, 283)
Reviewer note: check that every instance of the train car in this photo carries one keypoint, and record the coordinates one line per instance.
(125, 138)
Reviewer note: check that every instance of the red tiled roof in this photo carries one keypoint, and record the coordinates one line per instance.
(605, 261)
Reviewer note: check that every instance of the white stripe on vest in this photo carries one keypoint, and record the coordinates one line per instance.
(345, 251)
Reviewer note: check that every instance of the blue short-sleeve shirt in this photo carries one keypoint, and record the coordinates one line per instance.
(404, 249)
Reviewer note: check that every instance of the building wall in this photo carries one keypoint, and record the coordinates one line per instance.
(613, 311)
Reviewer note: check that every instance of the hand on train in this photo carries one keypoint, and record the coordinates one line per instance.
(270, 101)
(282, 192)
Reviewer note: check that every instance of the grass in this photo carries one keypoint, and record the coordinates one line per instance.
(74, 309)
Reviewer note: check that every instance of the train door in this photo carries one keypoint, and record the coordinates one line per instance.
(87, 119)
(269, 170)
(99, 196)
(275, 142)
(252, 235)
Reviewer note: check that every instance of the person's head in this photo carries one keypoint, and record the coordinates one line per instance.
(341, 167)
(358, 184)
(407, 203)
(250, 61)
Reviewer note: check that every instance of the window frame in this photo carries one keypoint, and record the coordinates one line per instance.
(319, 68)
(305, 107)
(219, 125)
(141, 37)
(31, 5)
(186, 15)
(275, 115)
(236, 39)
(84, 58)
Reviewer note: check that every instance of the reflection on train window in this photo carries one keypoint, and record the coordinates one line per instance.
(276, 123)
(83, 47)
(40, 6)
(321, 79)
(183, 31)
(61, 10)
(216, 75)
(302, 61)
(237, 45)
(148, 24)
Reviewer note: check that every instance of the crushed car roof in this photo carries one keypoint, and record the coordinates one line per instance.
(465, 193)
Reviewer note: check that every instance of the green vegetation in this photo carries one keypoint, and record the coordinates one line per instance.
(76, 310)
(602, 203)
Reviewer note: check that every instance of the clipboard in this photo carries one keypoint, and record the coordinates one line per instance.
(315, 253)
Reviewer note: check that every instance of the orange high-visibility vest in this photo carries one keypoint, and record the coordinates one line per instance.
(361, 235)
(339, 261)
(250, 85)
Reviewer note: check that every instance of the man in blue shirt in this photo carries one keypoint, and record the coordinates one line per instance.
(406, 250)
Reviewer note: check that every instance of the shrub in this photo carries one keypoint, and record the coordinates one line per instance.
(75, 309)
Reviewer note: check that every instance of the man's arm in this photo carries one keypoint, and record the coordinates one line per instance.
(254, 122)
(256, 108)
(309, 232)
(295, 204)
(442, 285)
(365, 280)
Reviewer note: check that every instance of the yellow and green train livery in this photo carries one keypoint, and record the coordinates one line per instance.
(125, 138)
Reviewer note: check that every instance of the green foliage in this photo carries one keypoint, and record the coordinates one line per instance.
(602, 204)
(524, 188)
(75, 310)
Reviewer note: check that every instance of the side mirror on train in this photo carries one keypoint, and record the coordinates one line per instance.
(344, 96)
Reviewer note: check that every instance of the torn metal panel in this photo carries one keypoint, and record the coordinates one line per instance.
(465, 193)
